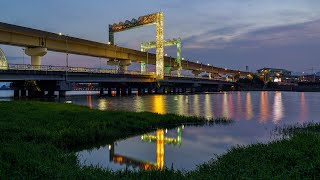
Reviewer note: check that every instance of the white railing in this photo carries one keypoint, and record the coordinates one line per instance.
(48, 68)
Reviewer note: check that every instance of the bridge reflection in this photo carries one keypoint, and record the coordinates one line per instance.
(160, 140)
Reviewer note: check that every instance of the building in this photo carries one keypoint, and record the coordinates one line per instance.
(274, 74)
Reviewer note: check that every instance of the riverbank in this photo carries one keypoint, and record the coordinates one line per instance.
(38, 140)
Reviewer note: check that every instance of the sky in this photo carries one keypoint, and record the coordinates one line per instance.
(225, 33)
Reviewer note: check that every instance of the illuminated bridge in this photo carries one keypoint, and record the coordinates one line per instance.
(50, 78)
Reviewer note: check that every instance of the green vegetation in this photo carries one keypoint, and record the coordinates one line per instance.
(38, 141)
(37, 137)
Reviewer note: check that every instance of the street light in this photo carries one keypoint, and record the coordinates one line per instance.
(24, 50)
(197, 61)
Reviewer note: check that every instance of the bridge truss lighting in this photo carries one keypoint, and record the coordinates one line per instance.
(145, 46)
(150, 19)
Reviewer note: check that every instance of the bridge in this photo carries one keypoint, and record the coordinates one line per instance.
(38, 80)
(49, 78)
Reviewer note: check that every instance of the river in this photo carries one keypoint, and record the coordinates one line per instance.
(255, 115)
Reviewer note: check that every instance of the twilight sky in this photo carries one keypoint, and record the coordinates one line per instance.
(225, 33)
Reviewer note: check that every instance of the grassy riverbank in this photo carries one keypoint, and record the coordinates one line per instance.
(38, 139)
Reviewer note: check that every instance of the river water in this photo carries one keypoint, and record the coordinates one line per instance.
(255, 115)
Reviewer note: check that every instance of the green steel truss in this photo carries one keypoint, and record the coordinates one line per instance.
(145, 46)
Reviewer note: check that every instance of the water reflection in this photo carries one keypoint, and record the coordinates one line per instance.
(208, 107)
(277, 108)
(264, 107)
(303, 108)
(160, 140)
(158, 104)
(249, 111)
(102, 104)
(196, 105)
(89, 101)
(225, 106)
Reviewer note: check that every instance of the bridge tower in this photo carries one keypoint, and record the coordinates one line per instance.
(151, 19)
(3, 61)
(145, 46)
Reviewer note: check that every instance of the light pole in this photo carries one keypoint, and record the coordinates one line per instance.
(23, 49)
(147, 60)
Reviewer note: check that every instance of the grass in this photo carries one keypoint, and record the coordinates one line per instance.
(38, 139)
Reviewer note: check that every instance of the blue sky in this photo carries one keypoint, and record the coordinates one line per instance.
(225, 33)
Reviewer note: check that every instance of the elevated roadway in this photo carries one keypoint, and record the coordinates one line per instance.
(32, 38)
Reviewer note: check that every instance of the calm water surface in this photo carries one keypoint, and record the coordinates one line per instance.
(256, 114)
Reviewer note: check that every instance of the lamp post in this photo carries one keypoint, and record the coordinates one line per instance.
(147, 60)
(24, 50)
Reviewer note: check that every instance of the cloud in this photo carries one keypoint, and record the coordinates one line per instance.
(240, 36)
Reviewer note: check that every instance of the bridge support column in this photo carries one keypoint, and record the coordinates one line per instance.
(16, 93)
(109, 91)
(23, 93)
(123, 91)
(118, 91)
(124, 65)
(36, 54)
(140, 91)
(62, 94)
(174, 90)
(129, 91)
(101, 91)
(51, 93)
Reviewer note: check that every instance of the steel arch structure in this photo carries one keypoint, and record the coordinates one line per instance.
(151, 19)
(145, 46)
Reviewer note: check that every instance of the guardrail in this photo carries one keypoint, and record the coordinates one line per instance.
(48, 68)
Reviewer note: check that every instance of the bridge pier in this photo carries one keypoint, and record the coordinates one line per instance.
(16, 93)
(101, 91)
(51, 93)
(109, 91)
(123, 91)
(124, 65)
(23, 93)
(129, 91)
(174, 90)
(118, 92)
(62, 94)
(36, 54)
(140, 91)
